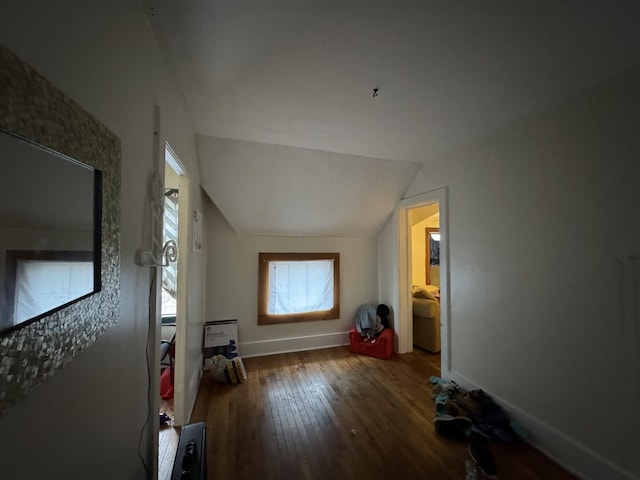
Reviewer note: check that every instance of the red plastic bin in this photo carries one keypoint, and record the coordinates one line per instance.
(381, 348)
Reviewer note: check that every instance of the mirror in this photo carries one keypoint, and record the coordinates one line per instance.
(433, 256)
(49, 231)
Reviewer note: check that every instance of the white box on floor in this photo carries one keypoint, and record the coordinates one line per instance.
(220, 338)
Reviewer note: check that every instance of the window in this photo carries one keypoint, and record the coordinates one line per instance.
(298, 287)
(40, 282)
(42, 285)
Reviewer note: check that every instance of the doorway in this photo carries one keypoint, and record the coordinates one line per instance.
(411, 271)
(169, 290)
(424, 263)
(174, 275)
(173, 308)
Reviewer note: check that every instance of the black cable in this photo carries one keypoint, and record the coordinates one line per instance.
(146, 421)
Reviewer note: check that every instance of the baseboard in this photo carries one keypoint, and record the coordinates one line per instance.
(562, 449)
(292, 344)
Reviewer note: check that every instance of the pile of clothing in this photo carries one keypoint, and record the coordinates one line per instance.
(370, 320)
(475, 416)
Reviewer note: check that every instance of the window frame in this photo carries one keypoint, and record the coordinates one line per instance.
(264, 318)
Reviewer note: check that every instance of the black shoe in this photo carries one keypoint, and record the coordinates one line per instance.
(450, 426)
(483, 458)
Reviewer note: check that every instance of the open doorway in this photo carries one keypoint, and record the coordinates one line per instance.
(417, 266)
(169, 292)
(173, 308)
(424, 263)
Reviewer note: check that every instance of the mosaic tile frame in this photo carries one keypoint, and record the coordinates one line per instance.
(33, 108)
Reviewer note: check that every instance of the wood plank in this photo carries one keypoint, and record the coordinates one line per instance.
(294, 417)
(167, 443)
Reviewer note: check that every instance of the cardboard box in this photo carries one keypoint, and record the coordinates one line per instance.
(220, 338)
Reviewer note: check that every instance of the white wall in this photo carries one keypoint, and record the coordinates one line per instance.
(543, 217)
(86, 419)
(388, 284)
(232, 285)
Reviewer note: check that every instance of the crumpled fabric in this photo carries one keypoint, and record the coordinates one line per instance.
(368, 324)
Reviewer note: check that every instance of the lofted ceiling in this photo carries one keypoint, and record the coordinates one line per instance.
(302, 73)
(278, 190)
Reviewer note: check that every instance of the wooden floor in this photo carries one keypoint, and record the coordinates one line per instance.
(167, 443)
(330, 414)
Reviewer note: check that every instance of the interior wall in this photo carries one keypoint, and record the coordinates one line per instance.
(419, 247)
(388, 279)
(104, 56)
(170, 177)
(232, 285)
(543, 220)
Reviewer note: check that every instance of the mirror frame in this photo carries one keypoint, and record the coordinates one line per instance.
(33, 109)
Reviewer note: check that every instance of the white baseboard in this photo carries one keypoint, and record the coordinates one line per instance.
(562, 449)
(292, 344)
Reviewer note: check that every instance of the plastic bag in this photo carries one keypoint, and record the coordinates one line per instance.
(226, 370)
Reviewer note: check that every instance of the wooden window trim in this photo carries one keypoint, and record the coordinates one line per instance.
(263, 288)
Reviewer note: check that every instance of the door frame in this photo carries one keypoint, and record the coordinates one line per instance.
(160, 146)
(405, 323)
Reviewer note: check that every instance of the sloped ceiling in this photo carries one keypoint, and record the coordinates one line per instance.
(417, 215)
(277, 190)
(301, 73)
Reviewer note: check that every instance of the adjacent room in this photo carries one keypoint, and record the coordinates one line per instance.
(425, 278)
(471, 167)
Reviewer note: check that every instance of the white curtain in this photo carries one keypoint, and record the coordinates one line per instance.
(42, 285)
(300, 286)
